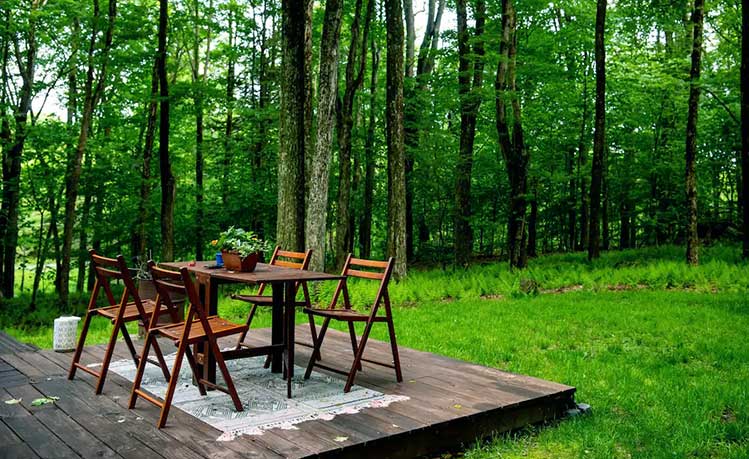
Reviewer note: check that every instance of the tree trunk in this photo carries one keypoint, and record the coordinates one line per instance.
(581, 163)
(599, 136)
(745, 125)
(470, 101)
(198, 82)
(691, 144)
(365, 224)
(292, 137)
(511, 142)
(533, 222)
(83, 235)
(396, 239)
(145, 183)
(93, 89)
(319, 174)
(229, 129)
(168, 186)
(355, 67)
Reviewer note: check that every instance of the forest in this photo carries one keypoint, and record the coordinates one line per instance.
(439, 132)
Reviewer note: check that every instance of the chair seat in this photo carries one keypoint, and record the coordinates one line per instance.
(131, 310)
(347, 315)
(220, 327)
(262, 300)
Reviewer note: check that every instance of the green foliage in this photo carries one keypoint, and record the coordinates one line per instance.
(240, 241)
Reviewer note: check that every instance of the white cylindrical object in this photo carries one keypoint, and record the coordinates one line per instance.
(65, 333)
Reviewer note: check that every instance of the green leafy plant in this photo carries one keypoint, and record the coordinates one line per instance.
(242, 242)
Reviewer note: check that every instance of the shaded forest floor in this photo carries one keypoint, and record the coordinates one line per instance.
(657, 348)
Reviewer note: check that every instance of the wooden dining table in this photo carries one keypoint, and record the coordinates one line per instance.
(283, 286)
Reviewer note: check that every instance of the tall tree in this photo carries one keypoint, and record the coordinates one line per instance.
(93, 90)
(469, 87)
(365, 222)
(140, 242)
(599, 136)
(319, 174)
(512, 141)
(396, 239)
(691, 144)
(168, 185)
(12, 148)
(292, 137)
(198, 82)
(745, 123)
(355, 67)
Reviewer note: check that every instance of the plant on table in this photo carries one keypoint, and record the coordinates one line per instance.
(241, 249)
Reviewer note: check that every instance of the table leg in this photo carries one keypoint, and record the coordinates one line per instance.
(290, 310)
(277, 330)
(209, 297)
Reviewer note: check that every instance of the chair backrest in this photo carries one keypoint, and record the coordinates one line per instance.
(107, 269)
(365, 269)
(172, 287)
(288, 259)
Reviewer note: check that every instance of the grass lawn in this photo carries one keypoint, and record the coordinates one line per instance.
(657, 349)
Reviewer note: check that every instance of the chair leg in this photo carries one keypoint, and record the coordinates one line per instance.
(195, 371)
(141, 370)
(243, 335)
(81, 343)
(357, 360)
(394, 349)
(172, 385)
(160, 358)
(352, 335)
(227, 377)
(129, 343)
(313, 332)
(318, 345)
(108, 356)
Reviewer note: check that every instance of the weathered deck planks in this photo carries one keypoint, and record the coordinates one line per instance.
(452, 403)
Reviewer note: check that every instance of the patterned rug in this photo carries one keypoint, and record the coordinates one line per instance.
(263, 395)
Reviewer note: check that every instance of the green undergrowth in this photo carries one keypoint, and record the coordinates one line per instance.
(657, 349)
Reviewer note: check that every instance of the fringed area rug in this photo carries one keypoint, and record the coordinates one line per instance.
(263, 395)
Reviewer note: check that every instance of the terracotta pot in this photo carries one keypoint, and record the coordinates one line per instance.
(233, 262)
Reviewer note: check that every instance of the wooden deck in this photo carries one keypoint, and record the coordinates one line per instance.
(452, 403)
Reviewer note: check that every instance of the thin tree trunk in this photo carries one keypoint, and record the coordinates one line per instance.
(512, 142)
(745, 125)
(93, 89)
(396, 239)
(145, 183)
(581, 163)
(319, 174)
(691, 144)
(168, 187)
(229, 129)
(12, 158)
(365, 225)
(292, 137)
(198, 82)
(533, 222)
(355, 67)
(83, 235)
(469, 87)
(599, 136)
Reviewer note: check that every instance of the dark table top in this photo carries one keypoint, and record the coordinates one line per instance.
(264, 273)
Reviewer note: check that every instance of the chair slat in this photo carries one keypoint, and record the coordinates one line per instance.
(368, 263)
(289, 254)
(287, 264)
(364, 274)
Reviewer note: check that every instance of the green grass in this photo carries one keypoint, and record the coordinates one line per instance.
(657, 348)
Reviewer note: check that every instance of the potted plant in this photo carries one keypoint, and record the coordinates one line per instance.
(240, 249)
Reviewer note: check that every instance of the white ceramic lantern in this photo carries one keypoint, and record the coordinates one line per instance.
(66, 331)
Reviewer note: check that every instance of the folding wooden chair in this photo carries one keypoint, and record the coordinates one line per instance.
(120, 314)
(378, 270)
(287, 259)
(197, 327)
